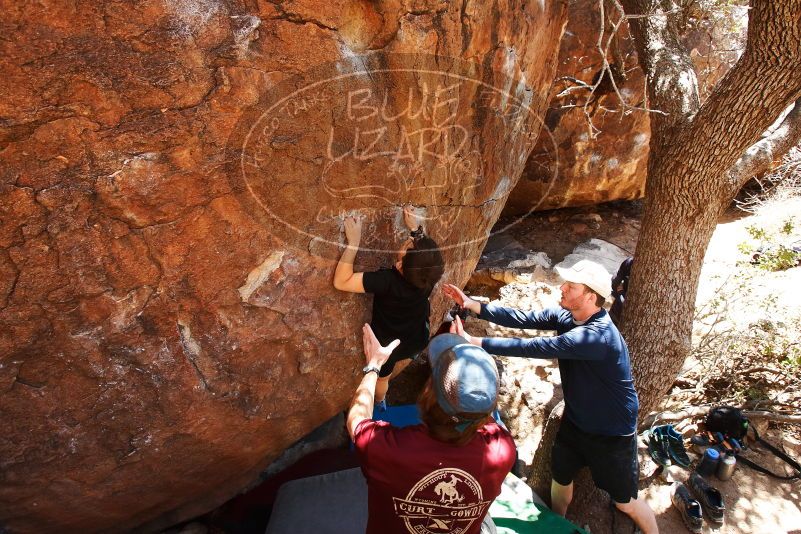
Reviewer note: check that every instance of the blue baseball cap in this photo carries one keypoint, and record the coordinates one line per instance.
(465, 377)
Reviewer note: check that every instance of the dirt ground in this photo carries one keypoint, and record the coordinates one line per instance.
(530, 388)
(754, 502)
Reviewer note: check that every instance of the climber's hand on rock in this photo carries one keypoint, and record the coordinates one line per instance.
(410, 217)
(353, 230)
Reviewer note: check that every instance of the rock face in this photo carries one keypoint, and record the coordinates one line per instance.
(173, 177)
(575, 164)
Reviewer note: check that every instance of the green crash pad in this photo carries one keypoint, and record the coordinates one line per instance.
(517, 510)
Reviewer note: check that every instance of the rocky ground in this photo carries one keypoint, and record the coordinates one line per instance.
(516, 269)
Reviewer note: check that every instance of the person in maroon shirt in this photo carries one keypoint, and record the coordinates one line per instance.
(442, 475)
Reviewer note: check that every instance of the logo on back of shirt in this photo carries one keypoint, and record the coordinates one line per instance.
(446, 500)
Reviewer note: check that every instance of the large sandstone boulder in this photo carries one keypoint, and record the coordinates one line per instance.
(606, 159)
(173, 176)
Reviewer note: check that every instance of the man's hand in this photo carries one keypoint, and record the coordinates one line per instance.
(410, 217)
(374, 353)
(353, 230)
(361, 407)
(458, 296)
(458, 328)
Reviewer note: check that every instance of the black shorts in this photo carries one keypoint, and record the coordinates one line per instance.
(612, 460)
(389, 365)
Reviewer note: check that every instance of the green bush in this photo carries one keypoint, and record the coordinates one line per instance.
(770, 254)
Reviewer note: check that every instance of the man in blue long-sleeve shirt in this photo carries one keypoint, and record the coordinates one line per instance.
(599, 426)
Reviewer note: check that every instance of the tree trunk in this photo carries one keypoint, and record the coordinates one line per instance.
(693, 147)
(688, 186)
(674, 235)
(540, 479)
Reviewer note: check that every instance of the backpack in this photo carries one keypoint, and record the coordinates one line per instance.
(620, 285)
(727, 420)
(731, 422)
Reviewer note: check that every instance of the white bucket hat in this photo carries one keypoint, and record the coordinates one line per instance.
(589, 273)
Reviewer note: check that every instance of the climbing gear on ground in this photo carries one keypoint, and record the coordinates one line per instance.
(703, 440)
(656, 450)
(709, 462)
(729, 426)
(675, 444)
(727, 420)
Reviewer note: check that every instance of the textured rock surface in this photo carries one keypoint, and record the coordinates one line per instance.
(167, 321)
(586, 169)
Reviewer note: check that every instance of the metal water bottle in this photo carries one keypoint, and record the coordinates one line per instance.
(726, 466)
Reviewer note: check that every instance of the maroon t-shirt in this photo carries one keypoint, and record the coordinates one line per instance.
(419, 485)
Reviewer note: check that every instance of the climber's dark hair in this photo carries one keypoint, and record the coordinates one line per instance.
(423, 264)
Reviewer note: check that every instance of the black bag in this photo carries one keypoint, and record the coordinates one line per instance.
(727, 420)
(731, 422)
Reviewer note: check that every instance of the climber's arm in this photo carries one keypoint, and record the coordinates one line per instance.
(344, 277)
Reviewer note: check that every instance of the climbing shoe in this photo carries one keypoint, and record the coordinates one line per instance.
(656, 449)
(689, 508)
(672, 443)
(675, 446)
(709, 497)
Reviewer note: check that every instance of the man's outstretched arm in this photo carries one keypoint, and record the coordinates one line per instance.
(509, 317)
(577, 344)
(361, 407)
(512, 318)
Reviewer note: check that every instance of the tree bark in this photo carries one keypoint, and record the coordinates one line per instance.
(540, 480)
(692, 148)
(766, 152)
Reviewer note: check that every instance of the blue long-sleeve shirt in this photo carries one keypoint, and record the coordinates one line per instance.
(593, 361)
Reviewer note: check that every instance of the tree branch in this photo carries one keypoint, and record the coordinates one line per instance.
(763, 415)
(763, 154)
(690, 413)
(670, 76)
(756, 89)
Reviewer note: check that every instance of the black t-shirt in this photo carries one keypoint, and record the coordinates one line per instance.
(400, 311)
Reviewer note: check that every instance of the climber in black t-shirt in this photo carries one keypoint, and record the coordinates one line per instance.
(400, 304)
